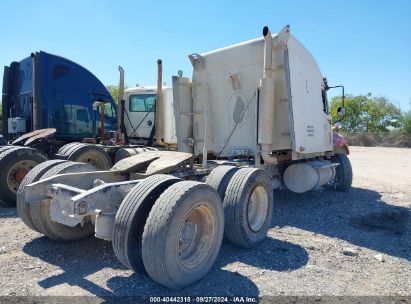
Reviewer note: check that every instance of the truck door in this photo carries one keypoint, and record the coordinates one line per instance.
(83, 122)
(141, 111)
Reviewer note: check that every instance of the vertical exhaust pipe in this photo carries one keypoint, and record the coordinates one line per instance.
(268, 58)
(120, 117)
(159, 125)
(266, 107)
(102, 129)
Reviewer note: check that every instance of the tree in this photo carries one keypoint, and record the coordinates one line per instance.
(114, 91)
(406, 122)
(366, 113)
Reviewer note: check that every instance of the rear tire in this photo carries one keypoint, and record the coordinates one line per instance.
(4, 148)
(15, 163)
(63, 150)
(40, 211)
(86, 153)
(248, 207)
(127, 152)
(343, 172)
(183, 233)
(131, 218)
(23, 209)
(220, 177)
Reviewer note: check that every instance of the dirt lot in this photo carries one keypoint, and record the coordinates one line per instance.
(302, 255)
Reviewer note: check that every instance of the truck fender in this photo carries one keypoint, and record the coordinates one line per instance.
(342, 150)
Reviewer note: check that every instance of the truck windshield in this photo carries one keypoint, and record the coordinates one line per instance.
(142, 103)
(109, 111)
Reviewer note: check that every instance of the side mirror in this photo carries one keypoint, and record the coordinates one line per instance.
(341, 112)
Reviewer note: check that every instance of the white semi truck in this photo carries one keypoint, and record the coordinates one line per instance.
(253, 118)
(140, 106)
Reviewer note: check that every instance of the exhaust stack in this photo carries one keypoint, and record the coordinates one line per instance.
(159, 106)
(266, 107)
(120, 105)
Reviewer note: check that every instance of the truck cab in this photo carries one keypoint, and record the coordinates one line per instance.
(140, 108)
(48, 91)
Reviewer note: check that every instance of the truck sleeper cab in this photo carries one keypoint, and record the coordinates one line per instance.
(49, 91)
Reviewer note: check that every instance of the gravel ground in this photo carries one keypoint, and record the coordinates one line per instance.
(323, 243)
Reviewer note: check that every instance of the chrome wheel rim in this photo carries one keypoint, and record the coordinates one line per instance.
(196, 236)
(257, 208)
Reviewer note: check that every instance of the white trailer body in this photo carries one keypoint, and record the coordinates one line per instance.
(224, 100)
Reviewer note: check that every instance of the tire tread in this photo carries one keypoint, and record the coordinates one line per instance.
(235, 224)
(344, 168)
(59, 232)
(23, 209)
(9, 156)
(157, 225)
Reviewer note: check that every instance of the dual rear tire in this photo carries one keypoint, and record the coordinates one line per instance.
(86, 153)
(247, 197)
(23, 209)
(169, 228)
(172, 229)
(17, 161)
(36, 215)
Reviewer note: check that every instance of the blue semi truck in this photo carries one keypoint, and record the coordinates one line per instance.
(55, 108)
(47, 91)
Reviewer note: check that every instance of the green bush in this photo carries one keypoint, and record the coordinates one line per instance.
(406, 122)
(366, 113)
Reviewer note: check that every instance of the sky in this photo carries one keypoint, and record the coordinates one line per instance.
(364, 45)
